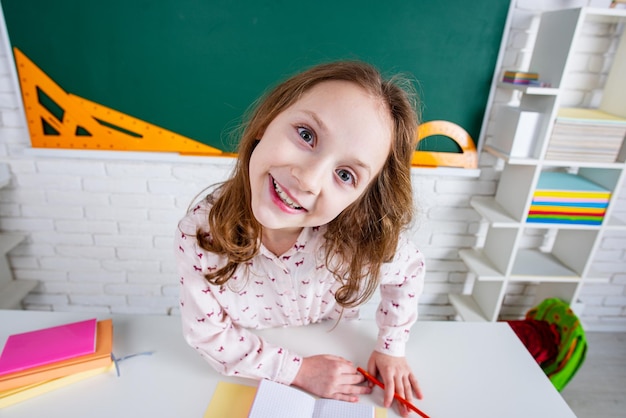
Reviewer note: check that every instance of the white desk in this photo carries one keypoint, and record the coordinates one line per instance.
(464, 369)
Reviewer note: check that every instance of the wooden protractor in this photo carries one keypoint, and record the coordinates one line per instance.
(468, 158)
(57, 119)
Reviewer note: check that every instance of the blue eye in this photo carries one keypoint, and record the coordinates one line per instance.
(345, 176)
(306, 135)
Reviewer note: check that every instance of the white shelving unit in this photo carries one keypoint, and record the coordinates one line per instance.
(560, 261)
(11, 291)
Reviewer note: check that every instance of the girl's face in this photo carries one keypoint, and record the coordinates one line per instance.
(318, 156)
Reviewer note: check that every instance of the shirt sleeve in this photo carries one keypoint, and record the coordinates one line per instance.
(209, 328)
(402, 282)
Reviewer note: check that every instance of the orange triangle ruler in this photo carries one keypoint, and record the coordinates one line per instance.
(57, 119)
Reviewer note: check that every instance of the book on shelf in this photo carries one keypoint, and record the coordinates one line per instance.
(557, 209)
(48, 345)
(589, 135)
(99, 358)
(568, 183)
(562, 129)
(566, 198)
(555, 155)
(592, 147)
(587, 116)
(275, 400)
(520, 77)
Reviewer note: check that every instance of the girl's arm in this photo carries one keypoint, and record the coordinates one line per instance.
(402, 282)
(209, 328)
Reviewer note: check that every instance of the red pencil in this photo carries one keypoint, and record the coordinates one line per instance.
(395, 395)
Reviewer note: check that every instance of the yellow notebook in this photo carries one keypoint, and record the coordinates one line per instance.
(13, 396)
(582, 115)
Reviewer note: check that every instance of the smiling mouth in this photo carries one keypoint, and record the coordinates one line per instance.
(284, 197)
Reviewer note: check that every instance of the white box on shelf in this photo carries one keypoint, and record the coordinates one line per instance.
(515, 131)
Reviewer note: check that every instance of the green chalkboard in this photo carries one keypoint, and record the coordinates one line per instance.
(195, 66)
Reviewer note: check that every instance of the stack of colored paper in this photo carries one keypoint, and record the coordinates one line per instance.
(38, 361)
(566, 198)
(589, 135)
(520, 77)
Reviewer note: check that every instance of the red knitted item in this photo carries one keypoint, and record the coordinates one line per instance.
(540, 338)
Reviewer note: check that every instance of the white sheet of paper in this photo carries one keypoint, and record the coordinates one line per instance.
(274, 400)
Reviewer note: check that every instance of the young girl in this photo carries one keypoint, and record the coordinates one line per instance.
(308, 227)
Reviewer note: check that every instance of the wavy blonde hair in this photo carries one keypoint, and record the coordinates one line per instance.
(362, 236)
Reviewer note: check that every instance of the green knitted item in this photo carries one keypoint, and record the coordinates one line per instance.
(573, 345)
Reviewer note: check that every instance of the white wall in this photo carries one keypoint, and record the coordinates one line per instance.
(100, 227)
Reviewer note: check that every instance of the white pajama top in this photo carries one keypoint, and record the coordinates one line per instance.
(292, 289)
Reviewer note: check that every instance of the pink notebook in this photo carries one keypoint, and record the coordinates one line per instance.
(36, 348)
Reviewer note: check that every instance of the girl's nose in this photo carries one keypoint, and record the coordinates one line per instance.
(310, 175)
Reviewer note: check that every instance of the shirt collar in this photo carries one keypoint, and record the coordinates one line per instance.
(309, 241)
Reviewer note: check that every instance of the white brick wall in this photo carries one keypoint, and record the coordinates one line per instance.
(100, 229)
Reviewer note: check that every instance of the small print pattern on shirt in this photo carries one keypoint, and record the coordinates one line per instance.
(293, 289)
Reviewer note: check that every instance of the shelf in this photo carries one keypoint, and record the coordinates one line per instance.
(596, 14)
(479, 264)
(9, 240)
(467, 308)
(493, 212)
(538, 225)
(511, 160)
(549, 163)
(530, 266)
(12, 293)
(5, 175)
(536, 266)
(526, 136)
(581, 164)
(616, 224)
(597, 277)
(532, 90)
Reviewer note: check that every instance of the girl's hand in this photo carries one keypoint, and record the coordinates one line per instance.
(397, 377)
(332, 377)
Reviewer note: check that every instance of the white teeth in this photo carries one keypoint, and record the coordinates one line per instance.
(284, 197)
